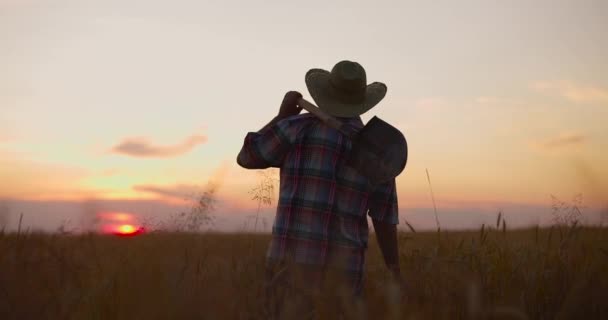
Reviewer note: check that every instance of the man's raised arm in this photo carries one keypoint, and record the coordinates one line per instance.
(263, 149)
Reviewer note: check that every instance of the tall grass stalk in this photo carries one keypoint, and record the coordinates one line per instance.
(428, 177)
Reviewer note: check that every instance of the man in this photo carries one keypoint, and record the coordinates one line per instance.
(321, 219)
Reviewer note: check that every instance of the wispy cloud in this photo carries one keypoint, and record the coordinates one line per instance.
(564, 140)
(182, 191)
(140, 147)
(573, 91)
(187, 191)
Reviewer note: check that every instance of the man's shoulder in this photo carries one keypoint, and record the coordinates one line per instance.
(297, 122)
(303, 122)
(310, 118)
(301, 118)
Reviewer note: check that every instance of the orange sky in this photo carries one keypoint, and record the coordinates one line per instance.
(502, 102)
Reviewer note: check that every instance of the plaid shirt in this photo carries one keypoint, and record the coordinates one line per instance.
(321, 216)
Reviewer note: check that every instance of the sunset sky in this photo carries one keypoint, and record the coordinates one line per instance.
(144, 102)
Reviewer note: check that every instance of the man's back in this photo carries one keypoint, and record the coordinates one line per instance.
(322, 211)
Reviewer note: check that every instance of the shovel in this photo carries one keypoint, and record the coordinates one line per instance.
(379, 150)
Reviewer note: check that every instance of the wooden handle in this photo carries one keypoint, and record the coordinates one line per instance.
(331, 121)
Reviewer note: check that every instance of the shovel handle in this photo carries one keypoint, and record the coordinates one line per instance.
(331, 121)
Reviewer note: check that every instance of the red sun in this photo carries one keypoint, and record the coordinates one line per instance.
(126, 230)
(120, 224)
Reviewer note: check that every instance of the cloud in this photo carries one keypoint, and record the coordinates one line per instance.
(561, 141)
(181, 191)
(140, 147)
(572, 91)
(187, 191)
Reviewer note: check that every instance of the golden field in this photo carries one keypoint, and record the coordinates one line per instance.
(492, 273)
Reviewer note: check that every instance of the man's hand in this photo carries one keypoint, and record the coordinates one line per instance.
(289, 106)
(386, 234)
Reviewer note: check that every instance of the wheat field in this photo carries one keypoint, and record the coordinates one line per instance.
(491, 273)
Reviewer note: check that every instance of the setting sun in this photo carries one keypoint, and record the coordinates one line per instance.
(119, 223)
(126, 229)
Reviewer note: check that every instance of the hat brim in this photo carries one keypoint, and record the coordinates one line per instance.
(319, 87)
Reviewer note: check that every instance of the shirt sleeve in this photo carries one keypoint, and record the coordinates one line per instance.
(383, 205)
(267, 148)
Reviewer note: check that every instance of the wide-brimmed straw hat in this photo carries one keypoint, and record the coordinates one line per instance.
(344, 91)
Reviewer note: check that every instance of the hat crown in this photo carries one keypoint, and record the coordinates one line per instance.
(348, 77)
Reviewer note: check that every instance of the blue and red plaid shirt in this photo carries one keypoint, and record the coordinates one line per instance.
(323, 205)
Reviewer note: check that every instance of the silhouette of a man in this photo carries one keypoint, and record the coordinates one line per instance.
(321, 225)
